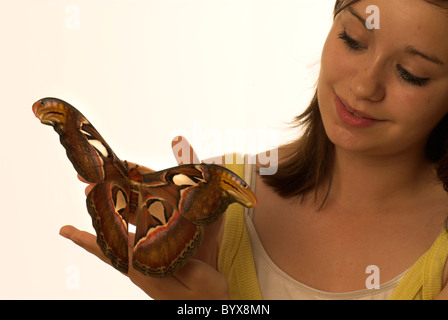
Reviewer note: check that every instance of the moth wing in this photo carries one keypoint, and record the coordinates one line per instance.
(164, 240)
(108, 206)
(201, 192)
(86, 149)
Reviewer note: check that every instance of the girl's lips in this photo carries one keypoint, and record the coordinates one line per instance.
(353, 117)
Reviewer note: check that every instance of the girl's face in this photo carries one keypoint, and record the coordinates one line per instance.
(382, 91)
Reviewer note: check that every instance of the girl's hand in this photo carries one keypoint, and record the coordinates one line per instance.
(198, 279)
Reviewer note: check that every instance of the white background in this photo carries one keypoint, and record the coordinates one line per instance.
(141, 71)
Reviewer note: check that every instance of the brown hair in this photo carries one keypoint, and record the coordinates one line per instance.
(306, 164)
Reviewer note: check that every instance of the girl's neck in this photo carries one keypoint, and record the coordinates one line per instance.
(373, 184)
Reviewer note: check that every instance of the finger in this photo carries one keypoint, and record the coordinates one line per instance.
(157, 288)
(85, 240)
(82, 179)
(198, 274)
(195, 280)
(183, 151)
(169, 288)
(89, 188)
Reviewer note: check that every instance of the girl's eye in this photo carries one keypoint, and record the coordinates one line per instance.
(351, 43)
(410, 78)
(405, 75)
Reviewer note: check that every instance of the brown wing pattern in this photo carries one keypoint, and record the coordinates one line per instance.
(170, 206)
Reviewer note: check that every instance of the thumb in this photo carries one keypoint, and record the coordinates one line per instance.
(183, 151)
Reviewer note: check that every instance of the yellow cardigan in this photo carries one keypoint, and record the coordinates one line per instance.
(423, 281)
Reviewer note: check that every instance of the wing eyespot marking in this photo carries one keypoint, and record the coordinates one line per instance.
(120, 201)
(99, 146)
(184, 180)
(157, 210)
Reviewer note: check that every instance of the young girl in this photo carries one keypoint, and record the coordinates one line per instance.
(360, 199)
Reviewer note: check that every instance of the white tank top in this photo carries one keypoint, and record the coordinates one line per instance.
(275, 284)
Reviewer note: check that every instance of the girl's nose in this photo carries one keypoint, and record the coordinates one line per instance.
(368, 84)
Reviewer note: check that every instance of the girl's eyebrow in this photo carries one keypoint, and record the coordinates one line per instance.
(409, 49)
(413, 51)
(358, 17)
